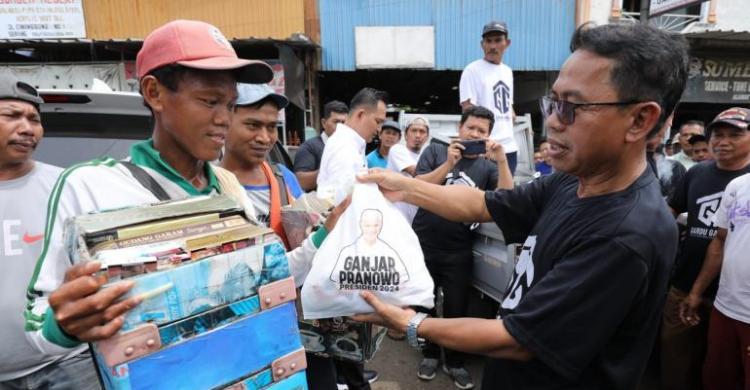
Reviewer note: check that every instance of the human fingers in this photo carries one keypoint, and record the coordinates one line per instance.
(333, 218)
(82, 269)
(102, 332)
(84, 306)
(83, 325)
(686, 313)
(457, 145)
(373, 301)
(374, 318)
(75, 289)
(373, 175)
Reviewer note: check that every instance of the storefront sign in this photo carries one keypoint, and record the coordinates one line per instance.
(41, 19)
(718, 80)
(657, 7)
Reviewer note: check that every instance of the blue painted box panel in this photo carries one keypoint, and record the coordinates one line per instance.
(214, 358)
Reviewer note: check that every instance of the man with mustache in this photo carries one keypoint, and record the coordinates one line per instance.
(25, 185)
(488, 82)
(583, 307)
(700, 194)
(252, 134)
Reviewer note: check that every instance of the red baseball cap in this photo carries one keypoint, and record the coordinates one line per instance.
(197, 45)
(738, 117)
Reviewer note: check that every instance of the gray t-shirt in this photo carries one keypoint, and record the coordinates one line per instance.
(23, 206)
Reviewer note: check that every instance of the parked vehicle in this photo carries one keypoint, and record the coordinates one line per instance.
(494, 260)
(81, 125)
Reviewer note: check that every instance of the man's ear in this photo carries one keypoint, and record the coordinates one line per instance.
(153, 92)
(359, 114)
(645, 117)
(323, 123)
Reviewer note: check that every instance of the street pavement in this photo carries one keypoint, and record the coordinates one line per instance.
(397, 364)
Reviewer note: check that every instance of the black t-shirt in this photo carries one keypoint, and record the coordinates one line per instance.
(307, 158)
(438, 233)
(670, 174)
(590, 284)
(699, 194)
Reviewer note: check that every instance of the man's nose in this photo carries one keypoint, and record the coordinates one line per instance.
(263, 136)
(25, 126)
(223, 116)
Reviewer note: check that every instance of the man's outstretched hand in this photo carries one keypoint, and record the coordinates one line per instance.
(387, 315)
(393, 185)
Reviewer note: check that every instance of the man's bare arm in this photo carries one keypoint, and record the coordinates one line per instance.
(455, 203)
(689, 307)
(474, 335)
(505, 178)
(411, 170)
(711, 264)
(307, 180)
(437, 176)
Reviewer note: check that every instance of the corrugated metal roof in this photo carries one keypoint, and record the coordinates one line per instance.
(539, 29)
(730, 35)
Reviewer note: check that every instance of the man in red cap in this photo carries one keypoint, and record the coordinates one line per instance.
(724, 273)
(188, 73)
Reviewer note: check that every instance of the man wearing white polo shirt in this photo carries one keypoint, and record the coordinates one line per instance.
(343, 158)
(344, 154)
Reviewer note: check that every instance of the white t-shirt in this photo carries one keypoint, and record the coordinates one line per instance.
(491, 86)
(733, 297)
(343, 158)
(22, 211)
(399, 158)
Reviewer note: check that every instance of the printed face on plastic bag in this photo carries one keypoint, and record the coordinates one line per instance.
(371, 248)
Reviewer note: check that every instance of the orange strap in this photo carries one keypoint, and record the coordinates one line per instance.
(275, 209)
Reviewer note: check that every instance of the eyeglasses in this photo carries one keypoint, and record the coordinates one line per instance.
(566, 111)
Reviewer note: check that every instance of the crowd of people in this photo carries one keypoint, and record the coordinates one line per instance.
(605, 277)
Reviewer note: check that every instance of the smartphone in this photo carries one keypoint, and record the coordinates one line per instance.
(474, 147)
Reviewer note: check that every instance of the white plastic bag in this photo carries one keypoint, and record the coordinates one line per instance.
(371, 248)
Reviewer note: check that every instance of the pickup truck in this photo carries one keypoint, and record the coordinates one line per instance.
(494, 260)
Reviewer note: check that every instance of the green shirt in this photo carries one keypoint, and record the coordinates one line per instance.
(144, 154)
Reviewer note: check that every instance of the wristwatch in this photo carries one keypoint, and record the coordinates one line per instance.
(411, 331)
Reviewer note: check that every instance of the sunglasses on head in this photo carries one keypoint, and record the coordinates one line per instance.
(566, 111)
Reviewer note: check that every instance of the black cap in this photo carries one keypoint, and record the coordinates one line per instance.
(13, 88)
(495, 26)
(392, 125)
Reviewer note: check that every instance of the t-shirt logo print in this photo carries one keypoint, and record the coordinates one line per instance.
(523, 275)
(501, 96)
(707, 208)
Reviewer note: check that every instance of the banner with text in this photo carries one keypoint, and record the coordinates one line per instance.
(718, 80)
(658, 7)
(41, 19)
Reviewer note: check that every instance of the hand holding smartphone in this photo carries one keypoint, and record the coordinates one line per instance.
(473, 147)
